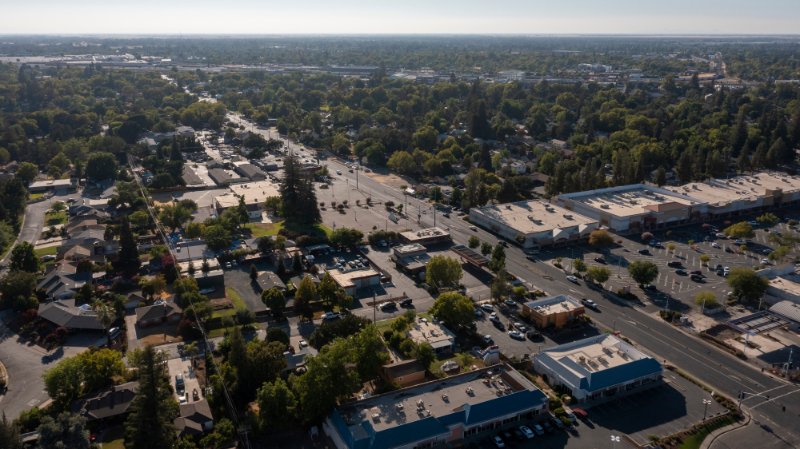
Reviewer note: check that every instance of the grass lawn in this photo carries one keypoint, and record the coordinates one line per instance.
(55, 218)
(113, 438)
(694, 441)
(235, 297)
(46, 251)
(213, 333)
(35, 196)
(464, 360)
(264, 229)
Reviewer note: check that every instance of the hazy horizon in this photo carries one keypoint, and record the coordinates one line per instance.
(414, 17)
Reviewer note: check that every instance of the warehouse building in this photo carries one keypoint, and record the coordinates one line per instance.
(426, 237)
(353, 280)
(598, 367)
(533, 223)
(255, 194)
(447, 412)
(635, 208)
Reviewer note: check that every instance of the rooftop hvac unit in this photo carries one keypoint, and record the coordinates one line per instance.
(604, 206)
(568, 216)
(582, 359)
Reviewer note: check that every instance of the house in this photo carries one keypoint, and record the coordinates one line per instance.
(224, 177)
(555, 311)
(159, 313)
(267, 280)
(404, 372)
(111, 403)
(451, 412)
(195, 419)
(599, 367)
(63, 281)
(64, 313)
(254, 195)
(439, 337)
(193, 250)
(93, 243)
(52, 185)
(250, 172)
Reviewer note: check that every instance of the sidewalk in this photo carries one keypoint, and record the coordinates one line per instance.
(712, 437)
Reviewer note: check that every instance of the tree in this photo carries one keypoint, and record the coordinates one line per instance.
(27, 172)
(276, 405)
(217, 237)
(500, 286)
(9, 434)
(306, 293)
(153, 408)
(498, 261)
(81, 374)
(329, 292)
(274, 300)
(661, 176)
(346, 237)
(253, 272)
(328, 378)
(128, 261)
(23, 258)
(369, 352)
(174, 216)
(643, 272)
(704, 258)
(740, 230)
(101, 166)
(768, 219)
(298, 199)
(747, 285)
(474, 242)
(600, 237)
(17, 288)
(579, 265)
(598, 274)
(486, 248)
(443, 271)
(402, 162)
(454, 309)
(193, 230)
(706, 299)
(67, 430)
(425, 354)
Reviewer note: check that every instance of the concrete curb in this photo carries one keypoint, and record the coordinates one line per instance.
(712, 437)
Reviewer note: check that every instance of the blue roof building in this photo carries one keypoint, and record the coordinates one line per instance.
(598, 367)
(443, 412)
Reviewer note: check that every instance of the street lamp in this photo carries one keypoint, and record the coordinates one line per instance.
(614, 440)
(706, 402)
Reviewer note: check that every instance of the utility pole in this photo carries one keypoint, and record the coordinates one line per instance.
(374, 308)
(788, 363)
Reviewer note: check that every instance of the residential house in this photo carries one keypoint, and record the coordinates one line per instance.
(195, 419)
(108, 404)
(65, 313)
(63, 281)
(159, 313)
(267, 280)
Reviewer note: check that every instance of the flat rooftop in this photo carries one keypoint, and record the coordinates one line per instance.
(594, 354)
(435, 399)
(632, 200)
(345, 278)
(253, 193)
(533, 217)
(789, 284)
(425, 331)
(425, 234)
(411, 248)
(554, 305)
(718, 192)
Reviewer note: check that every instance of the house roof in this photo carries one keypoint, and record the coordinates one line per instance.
(108, 403)
(250, 171)
(787, 309)
(65, 313)
(157, 311)
(267, 280)
(192, 418)
(63, 279)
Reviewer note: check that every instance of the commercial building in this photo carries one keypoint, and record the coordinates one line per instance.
(425, 237)
(411, 259)
(249, 171)
(743, 194)
(443, 413)
(783, 288)
(635, 207)
(52, 185)
(598, 367)
(555, 311)
(533, 223)
(353, 280)
(254, 195)
(439, 337)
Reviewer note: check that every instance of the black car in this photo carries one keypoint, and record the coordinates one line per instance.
(533, 334)
(728, 249)
(697, 272)
(697, 278)
(650, 287)
(600, 260)
(644, 251)
(406, 302)
(681, 272)
(674, 264)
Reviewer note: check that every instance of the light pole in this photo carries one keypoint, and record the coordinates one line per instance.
(614, 440)
(706, 402)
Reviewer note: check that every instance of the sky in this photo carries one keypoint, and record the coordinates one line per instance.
(400, 17)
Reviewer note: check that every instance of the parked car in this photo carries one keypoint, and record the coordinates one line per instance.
(538, 429)
(329, 316)
(487, 307)
(650, 287)
(520, 327)
(487, 339)
(499, 442)
(644, 251)
(675, 264)
(493, 317)
(697, 272)
(681, 272)
(715, 245)
(408, 302)
(765, 261)
(387, 306)
(697, 278)
(533, 334)
(179, 384)
(526, 431)
(510, 302)
(600, 260)
(478, 313)
(516, 335)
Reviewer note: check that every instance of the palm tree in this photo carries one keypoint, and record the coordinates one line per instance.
(106, 314)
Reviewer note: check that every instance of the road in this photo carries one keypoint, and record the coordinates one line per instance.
(33, 221)
(722, 371)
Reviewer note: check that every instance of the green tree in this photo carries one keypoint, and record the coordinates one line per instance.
(101, 166)
(707, 299)
(67, 430)
(443, 271)
(17, 289)
(402, 162)
(598, 274)
(643, 272)
(498, 261)
(486, 248)
(174, 216)
(474, 242)
(306, 294)
(768, 219)
(276, 405)
(217, 237)
(153, 408)
(328, 378)
(27, 172)
(747, 285)
(740, 230)
(84, 373)
(58, 165)
(329, 292)
(298, 199)
(274, 300)
(579, 265)
(369, 352)
(455, 309)
(128, 261)
(346, 237)
(253, 272)
(425, 354)
(500, 287)
(23, 258)
(9, 434)
(600, 237)
(194, 230)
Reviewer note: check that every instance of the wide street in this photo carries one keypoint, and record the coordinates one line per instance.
(775, 417)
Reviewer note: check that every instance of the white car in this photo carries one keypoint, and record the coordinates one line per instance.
(572, 279)
(487, 307)
(302, 344)
(766, 261)
(516, 335)
(339, 172)
(499, 442)
(715, 245)
(538, 429)
(487, 339)
(527, 432)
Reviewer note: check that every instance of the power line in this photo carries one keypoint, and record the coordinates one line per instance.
(243, 437)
